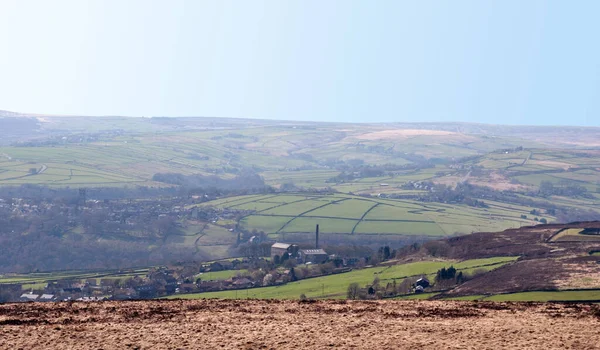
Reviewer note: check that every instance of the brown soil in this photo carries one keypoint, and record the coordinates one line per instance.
(493, 180)
(497, 182)
(269, 324)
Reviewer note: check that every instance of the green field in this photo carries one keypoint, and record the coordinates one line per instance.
(348, 214)
(574, 234)
(335, 286)
(281, 153)
(39, 279)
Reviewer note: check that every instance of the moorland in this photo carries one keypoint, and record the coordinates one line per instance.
(271, 324)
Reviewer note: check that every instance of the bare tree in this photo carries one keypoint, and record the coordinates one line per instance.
(353, 290)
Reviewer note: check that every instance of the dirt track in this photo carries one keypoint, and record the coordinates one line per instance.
(294, 325)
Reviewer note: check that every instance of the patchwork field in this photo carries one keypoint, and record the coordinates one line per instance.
(347, 214)
(271, 324)
(119, 151)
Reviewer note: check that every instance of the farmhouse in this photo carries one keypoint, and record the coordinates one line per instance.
(29, 297)
(315, 256)
(422, 282)
(243, 283)
(278, 249)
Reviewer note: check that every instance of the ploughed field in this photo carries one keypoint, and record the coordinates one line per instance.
(274, 324)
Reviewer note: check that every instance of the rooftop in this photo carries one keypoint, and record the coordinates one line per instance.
(30, 296)
(313, 251)
(281, 245)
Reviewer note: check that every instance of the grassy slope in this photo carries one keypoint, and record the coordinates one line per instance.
(334, 286)
(341, 213)
(44, 277)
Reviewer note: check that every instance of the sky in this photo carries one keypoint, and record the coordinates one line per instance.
(500, 62)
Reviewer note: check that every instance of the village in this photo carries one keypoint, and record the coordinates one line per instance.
(286, 263)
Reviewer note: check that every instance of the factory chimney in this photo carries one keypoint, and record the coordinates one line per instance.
(317, 238)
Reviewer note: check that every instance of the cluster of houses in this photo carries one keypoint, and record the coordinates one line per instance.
(164, 281)
(161, 281)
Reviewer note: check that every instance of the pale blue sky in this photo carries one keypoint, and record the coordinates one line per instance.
(503, 62)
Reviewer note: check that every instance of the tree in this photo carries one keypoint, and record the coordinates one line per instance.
(293, 275)
(446, 274)
(386, 252)
(284, 257)
(460, 278)
(353, 290)
(406, 285)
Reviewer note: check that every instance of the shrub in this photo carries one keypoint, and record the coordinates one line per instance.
(353, 290)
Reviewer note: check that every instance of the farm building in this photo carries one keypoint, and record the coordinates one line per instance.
(29, 297)
(422, 282)
(47, 297)
(315, 256)
(243, 283)
(278, 249)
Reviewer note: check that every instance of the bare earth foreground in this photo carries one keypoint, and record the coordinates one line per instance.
(272, 324)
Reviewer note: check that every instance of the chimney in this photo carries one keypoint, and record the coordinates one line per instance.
(317, 243)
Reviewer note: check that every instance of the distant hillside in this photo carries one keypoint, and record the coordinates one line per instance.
(4, 114)
(15, 127)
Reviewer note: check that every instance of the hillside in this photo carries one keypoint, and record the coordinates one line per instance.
(546, 264)
(515, 264)
(212, 183)
(291, 214)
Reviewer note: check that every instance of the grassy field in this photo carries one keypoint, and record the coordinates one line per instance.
(39, 279)
(335, 286)
(281, 153)
(348, 214)
(574, 234)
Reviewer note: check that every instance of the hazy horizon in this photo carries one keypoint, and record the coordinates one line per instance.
(509, 63)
